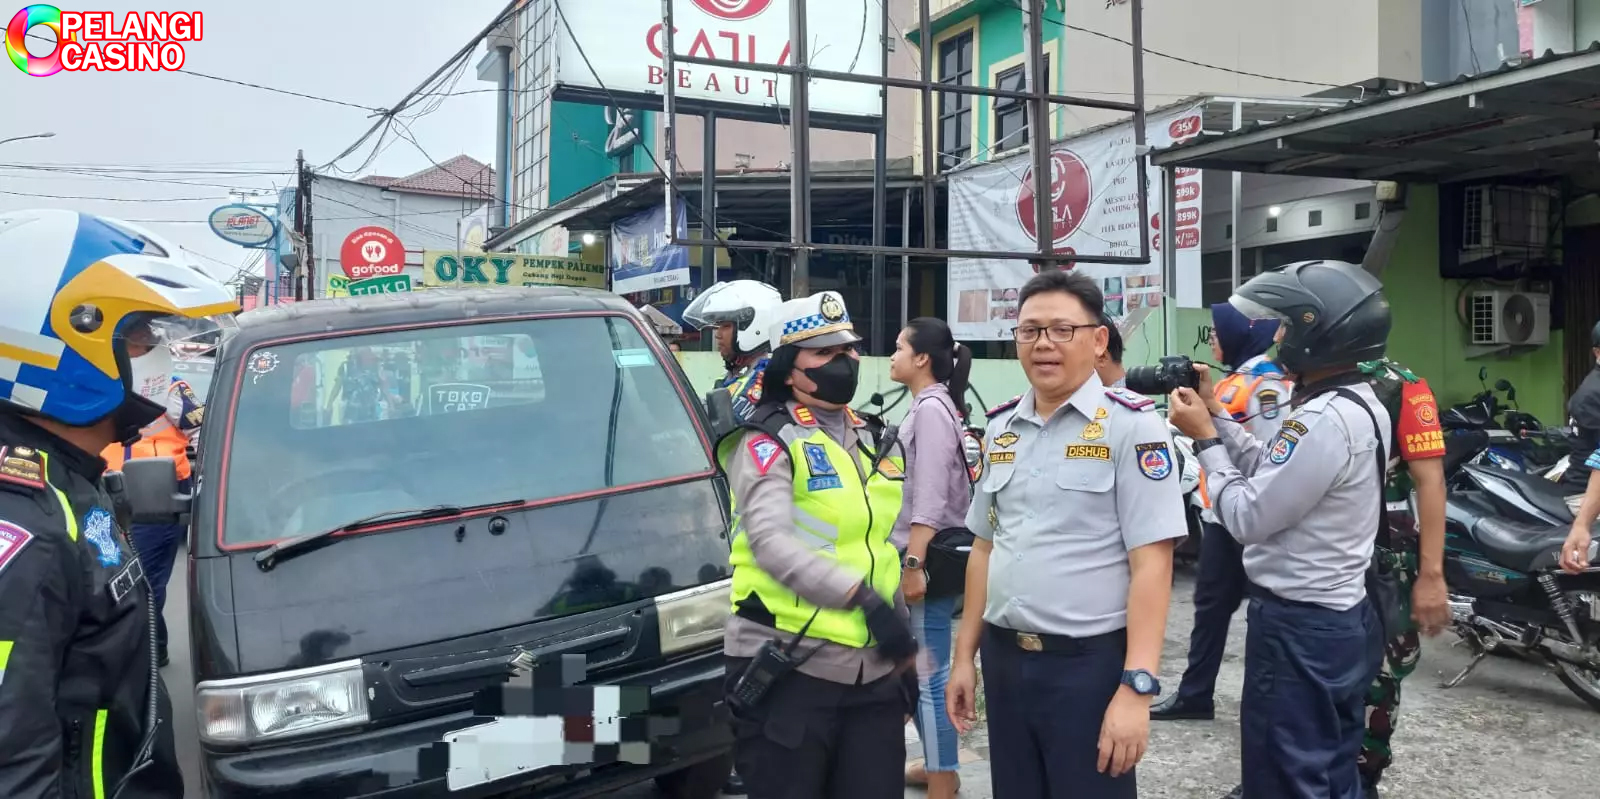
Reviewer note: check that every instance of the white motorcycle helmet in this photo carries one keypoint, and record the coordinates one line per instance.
(747, 304)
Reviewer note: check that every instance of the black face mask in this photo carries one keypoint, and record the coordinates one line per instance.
(836, 380)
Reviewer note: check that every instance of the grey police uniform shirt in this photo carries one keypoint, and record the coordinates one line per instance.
(1064, 500)
(1304, 504)
(766, 515)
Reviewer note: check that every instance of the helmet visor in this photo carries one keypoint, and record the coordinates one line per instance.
(1255, 310)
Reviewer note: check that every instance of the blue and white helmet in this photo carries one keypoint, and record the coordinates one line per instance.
(90, 309)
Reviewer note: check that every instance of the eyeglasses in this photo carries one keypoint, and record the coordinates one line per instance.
(1060, 334)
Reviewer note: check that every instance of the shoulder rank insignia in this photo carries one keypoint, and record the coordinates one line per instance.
(802, 415)
(22, 466)
(1003, 407)
(1128, 399)
(850, 414)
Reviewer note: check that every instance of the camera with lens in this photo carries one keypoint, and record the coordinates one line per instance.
(1168, 375)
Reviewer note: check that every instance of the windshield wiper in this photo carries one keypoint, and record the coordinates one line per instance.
(271, 556)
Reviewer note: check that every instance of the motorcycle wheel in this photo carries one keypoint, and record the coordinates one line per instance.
(1585, 682)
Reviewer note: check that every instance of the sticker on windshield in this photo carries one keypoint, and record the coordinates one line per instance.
(628, 359)
(457, 397)
(262, 363)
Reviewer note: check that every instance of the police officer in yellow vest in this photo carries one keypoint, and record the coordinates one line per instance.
(819, 639)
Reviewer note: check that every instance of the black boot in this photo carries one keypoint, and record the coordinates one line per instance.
(1176, 708)
(734, 786)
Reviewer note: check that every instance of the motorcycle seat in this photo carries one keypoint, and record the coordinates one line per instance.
(1468, 416)
(1546, 495)
(1517, 545)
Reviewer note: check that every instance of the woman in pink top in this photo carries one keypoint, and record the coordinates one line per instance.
(929, 362)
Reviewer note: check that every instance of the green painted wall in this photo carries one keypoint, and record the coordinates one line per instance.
(999, 37)
(1428, 337)
(577, 148)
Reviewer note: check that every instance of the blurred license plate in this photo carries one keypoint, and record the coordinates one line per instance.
(505, 747)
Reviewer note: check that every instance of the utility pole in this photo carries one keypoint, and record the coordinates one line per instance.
(1039, 128)
(800, 170)
(300, 204)
(305, 225)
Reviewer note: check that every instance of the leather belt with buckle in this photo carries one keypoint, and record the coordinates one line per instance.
(1030, 642)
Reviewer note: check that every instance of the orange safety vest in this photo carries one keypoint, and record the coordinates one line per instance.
(1237, 403)
(162, 439)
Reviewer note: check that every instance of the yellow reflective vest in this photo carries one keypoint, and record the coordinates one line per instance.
(834, 514)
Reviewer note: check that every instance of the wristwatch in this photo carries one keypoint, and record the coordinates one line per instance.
(1142, 682)
(911, 562)
(1206, 443)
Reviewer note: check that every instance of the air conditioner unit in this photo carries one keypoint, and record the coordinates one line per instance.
(1503, 317)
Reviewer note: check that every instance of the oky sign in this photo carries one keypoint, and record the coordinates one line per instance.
(99, 41)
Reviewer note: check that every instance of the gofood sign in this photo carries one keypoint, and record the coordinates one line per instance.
(244, 225)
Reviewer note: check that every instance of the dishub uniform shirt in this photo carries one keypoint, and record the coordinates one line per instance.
(1065, 499)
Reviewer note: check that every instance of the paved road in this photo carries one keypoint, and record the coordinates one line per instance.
(1512, 731)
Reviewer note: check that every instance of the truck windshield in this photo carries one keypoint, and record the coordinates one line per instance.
(332, 430)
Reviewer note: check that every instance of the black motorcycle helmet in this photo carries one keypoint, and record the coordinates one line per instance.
(1333, 313)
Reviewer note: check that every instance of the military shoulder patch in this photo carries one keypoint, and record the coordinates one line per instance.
(12, 541)
(1155, 460)
(802, 415)
(764, 451)
(22, 466)
(1129, 399)
(1282, 447)
(1003, 407)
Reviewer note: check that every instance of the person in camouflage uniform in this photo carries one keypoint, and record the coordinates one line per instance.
(1410, 548)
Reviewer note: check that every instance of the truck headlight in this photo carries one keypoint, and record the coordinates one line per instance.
(281, 704)
(694, 617)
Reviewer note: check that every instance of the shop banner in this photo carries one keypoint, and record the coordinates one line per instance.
(465, 269)
(1095, 211)
(643, 258)
(389, 284)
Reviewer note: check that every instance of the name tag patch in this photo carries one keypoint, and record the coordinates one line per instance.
(823, 475)
(123, 582)
(12, 541)
(1002, 457)
(1155, 461)
(1098, 452)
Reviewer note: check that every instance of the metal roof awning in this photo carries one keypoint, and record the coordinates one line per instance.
(758, 202)
(1535, 119)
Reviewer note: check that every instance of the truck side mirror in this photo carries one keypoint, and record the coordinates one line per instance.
(150, 488)
(719, 411)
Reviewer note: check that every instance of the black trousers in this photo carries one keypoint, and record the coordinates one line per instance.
(815, 739)
(1218, 592)
(1045, 713)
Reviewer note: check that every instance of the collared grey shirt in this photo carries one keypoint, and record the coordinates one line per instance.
(765, 504)
(1304, 504)
(1064, 500)
(938, 489)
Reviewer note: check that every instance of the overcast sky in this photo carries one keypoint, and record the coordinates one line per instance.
(366, 52)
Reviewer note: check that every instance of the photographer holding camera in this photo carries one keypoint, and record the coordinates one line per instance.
(1251, 394)
(1307, 507)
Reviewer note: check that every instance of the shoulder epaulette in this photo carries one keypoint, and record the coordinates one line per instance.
(22, 466)
(1003, 407)
(1129, 399)
(803, 416)
(853, 417)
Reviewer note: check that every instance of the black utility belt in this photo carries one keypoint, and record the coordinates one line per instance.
(1049, 642)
